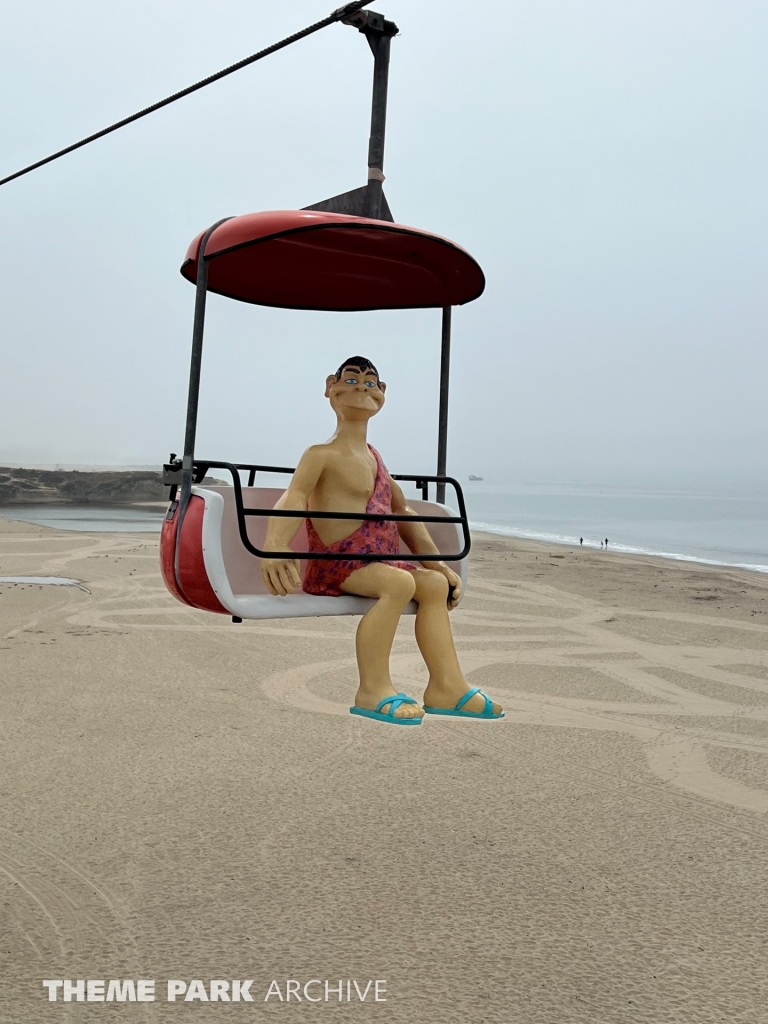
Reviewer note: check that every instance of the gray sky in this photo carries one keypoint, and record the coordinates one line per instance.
(604, 162)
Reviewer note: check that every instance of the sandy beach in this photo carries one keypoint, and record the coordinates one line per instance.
(185, 798)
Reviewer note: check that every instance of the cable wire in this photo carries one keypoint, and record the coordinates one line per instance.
(339, 15)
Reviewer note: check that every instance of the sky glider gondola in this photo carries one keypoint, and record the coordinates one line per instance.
(343, 254)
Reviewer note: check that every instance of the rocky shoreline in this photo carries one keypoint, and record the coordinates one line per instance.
(32, 486)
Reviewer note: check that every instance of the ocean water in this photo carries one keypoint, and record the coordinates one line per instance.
(701, 527)
(94, 518)
(718, 529)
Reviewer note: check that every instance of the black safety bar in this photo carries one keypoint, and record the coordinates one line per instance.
(172, 475)
(200, 468)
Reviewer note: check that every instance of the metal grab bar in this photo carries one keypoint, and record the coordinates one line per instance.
(172, 474)
(285, 513)
(201, 467)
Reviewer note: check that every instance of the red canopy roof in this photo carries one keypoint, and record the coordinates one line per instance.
(306, 259)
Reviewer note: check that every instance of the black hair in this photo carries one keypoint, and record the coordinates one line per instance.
(360, 362)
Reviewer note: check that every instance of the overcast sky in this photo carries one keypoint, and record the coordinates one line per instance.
(604, 162)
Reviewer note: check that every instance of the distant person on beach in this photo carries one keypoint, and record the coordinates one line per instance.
(581, 541)
(601, 545)
(346, 474)
(606, 543)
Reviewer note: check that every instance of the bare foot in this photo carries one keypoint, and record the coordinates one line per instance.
(447, 697)
(368, 700)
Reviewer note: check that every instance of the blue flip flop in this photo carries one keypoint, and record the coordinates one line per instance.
(395, 701)
(456, 712)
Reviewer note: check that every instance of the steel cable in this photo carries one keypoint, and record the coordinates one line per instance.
(339, 15)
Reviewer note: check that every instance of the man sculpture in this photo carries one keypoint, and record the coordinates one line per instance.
(345, 474)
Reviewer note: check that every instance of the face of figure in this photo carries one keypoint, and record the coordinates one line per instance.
(355, 394)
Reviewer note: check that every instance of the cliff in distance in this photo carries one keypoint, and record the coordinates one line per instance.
(29, 486)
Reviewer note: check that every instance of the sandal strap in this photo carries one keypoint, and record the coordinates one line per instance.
(395, 700)
(467, 696)
(487, 710)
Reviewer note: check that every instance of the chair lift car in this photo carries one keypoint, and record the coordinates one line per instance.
(345, 253)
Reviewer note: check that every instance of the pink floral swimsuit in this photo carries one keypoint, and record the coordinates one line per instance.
(325, 576)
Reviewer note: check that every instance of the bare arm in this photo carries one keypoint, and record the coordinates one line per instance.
(281, 575)
(417, 537)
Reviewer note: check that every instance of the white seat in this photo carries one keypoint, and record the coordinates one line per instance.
(234, 574)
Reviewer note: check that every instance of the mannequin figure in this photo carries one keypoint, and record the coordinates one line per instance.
(345, 474)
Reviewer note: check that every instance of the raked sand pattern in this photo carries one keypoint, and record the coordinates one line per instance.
(185, 798)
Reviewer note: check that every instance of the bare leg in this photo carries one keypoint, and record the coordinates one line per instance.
(447, 684)
(393, 588)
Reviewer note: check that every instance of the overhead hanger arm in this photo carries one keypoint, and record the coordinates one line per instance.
(369, 199)
(379, 32)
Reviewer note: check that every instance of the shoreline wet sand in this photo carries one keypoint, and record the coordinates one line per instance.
(182, 797)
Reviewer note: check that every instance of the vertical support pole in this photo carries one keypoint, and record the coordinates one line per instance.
(195, 365)
(380, 45)
(442, 419)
